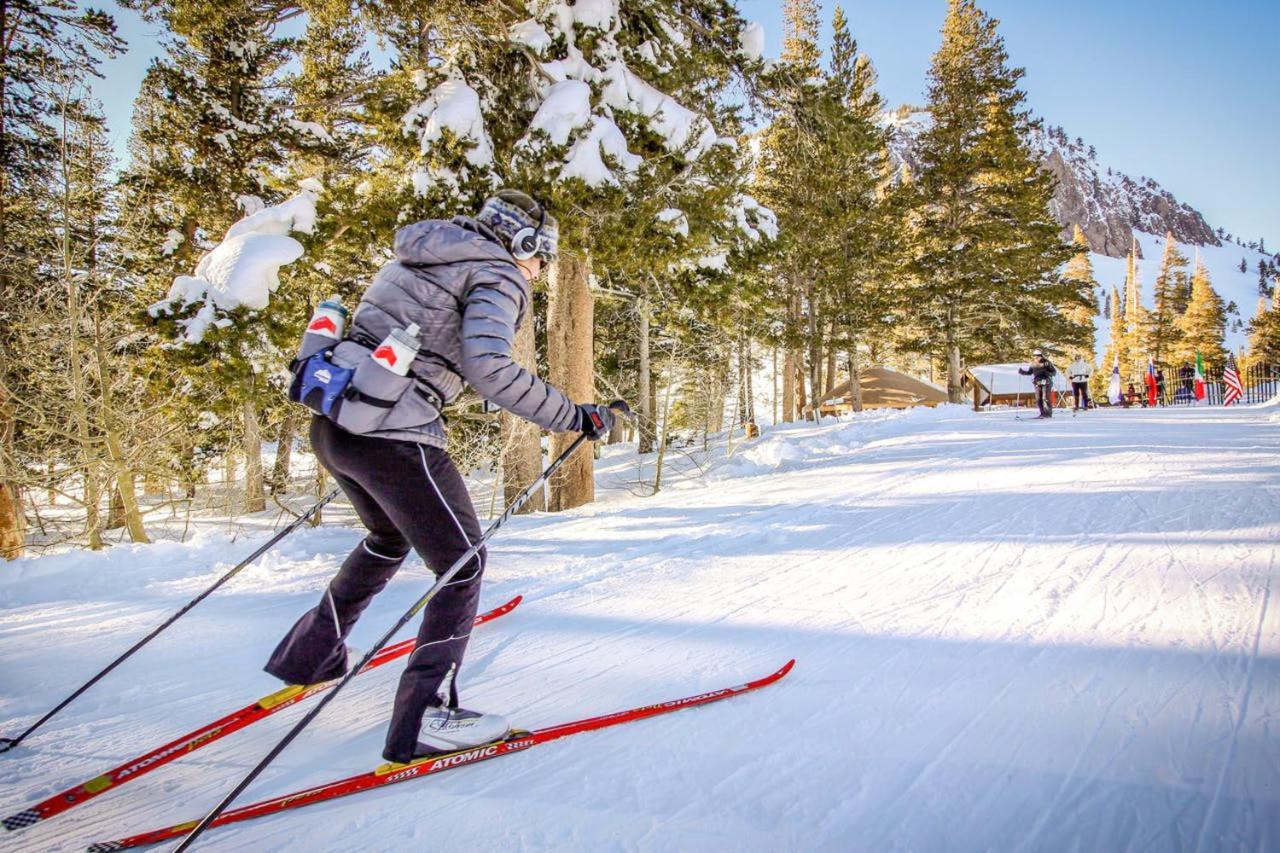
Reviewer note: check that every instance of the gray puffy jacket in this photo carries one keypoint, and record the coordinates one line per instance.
(465, 292)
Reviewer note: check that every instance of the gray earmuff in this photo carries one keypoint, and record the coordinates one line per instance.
(524, 245)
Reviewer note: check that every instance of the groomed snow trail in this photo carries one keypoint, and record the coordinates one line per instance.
(1010, 635)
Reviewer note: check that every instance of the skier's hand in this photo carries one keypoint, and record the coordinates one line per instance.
(594, 420)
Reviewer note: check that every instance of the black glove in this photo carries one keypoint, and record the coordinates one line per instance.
(594, 420)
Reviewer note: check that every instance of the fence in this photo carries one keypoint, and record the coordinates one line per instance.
(1177, 388)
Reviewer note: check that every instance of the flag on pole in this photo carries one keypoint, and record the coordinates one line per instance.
(1114, 394)
(1231, 379)
(1200, 389)
(1151, 381)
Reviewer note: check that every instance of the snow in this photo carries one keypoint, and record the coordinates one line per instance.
(682, 129)
(566, 108)
(586, 157)
(453, 106)
(1056, 635)
(752, 41)
(314, 129)
(596, 14)
(172, 241)
(674, 217)
(531, 34)
(243, 270)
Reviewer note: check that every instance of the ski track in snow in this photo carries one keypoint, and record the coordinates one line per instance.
(1019, 636)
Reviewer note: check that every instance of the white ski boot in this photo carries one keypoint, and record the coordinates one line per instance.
(447, 729)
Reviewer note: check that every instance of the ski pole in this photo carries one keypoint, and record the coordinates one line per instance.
(7, 744)
(417, 607)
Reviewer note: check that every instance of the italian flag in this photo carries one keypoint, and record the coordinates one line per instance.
(1200, 391)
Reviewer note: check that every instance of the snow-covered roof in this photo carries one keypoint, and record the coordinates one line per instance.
(1005, 379)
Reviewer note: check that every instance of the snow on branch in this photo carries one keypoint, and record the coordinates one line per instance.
(243, 270)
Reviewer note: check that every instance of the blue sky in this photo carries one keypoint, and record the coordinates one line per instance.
(1178, 90)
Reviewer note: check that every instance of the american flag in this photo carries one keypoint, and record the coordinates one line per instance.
(1231, 378)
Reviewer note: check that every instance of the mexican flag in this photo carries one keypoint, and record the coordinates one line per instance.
(1200, 389)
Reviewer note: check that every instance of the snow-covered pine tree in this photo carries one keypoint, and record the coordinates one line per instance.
(609, 111)
(1162, 330)
(1202, 327)
(216, 132)
(987, 250)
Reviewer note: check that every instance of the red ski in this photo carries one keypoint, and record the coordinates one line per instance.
(188, 743)
(389, 774)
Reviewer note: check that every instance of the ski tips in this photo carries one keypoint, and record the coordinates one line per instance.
(7, 743)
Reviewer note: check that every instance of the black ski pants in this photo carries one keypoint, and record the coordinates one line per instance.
(407, 495)
(1044, 399)
(1081, 392)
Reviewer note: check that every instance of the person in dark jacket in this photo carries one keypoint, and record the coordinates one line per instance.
(465, 284)
(1042, 372)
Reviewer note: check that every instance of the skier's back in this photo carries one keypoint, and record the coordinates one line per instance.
(1042, 372)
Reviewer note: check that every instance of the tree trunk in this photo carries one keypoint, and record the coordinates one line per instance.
(284, 450)
(521, 447)
(815, 356)
(124, 487)
(773, 394)
(644, 378)
(255, 498)
(788, 386)
(829, 380)
(715, 399)
(13, 524)
(855, 380)
(955, 393)
(115, 512)
(802, 402)
(570, 363)
(322, 485)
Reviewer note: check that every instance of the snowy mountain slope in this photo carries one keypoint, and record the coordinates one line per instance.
(1112, 208)
(1010, 635)
(1223, 263)
(1105, 203)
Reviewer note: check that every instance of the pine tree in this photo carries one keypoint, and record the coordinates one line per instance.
(610, 113)
(1264, 332)
(1080, 271)
(1117, 350)
(216, 132)
(1202, 327)
(1162, 331)
(987, 246)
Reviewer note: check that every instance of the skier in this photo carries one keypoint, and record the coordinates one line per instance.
(465, 284)
(1042, 372)
(1080, 371)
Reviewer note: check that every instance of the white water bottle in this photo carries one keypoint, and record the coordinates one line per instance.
(324, 329)
(398, 349)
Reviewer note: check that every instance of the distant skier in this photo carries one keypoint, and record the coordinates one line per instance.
(1080, 371)
(1042, 372)
(446, 312)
